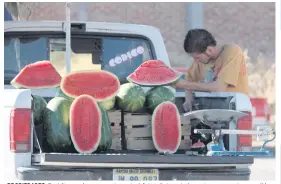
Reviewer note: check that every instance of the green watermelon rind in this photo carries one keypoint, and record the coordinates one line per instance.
(124, 97)
(106, 132)
(76, 145)
(154, 94)
(56, 126)
(108, 104)
(22, 86)
(153, 128)
(90, 71)
(39, 105)
(60, 93)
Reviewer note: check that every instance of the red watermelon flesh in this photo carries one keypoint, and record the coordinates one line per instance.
(154, 73)
(38, 75)
(198, 144)
(166, 128)
(85, 124)
(101, 85)
(153, 64)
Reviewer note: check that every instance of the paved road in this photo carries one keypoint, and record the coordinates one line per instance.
(263, 169)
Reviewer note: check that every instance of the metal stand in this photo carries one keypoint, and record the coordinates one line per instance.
(216, 119)
(216, 147)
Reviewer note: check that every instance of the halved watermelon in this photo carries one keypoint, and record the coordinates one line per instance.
(101, 85)
(85, 124)
(166, 128)
(38, 75)
(154, 73)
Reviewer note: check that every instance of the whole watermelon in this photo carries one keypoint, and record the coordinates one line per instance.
(60, 93)
(39, 104)
(108, 104)
(106, 133)
(56, 124)
(131, 97)
(157, 95)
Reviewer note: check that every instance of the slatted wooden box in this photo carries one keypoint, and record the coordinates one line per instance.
(139, 134)
(115, 120)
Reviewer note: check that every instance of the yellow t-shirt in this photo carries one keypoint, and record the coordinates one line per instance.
(231, 67)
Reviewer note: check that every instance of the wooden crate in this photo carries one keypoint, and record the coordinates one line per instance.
(140, 126)
(145, 119)
(115, 120)
(116, 144)
(139, 134)
(145, 131)
(147, 144)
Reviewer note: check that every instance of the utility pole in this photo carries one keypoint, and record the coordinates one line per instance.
(67, 37)
(82, 12)
(195, 15)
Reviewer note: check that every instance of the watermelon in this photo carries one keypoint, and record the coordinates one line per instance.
(38, 75)
(108, 104)
(106, 133)
(131, 97)
(85, 124)
(158, 95)
(39, 104)
(56, 124)
(60, 93)
(154, 73)
(166, 128)
(198, 146)
(101, 85)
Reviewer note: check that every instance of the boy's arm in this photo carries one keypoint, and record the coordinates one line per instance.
(216, 86)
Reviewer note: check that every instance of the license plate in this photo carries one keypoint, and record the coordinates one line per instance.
(135, 174)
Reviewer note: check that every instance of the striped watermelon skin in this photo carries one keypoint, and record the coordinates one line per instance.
(106, 132)
(131, 97)
(108, 104)
(60, 93)
(158, 95)
(39, 105)
(166, 128)
(56, 124)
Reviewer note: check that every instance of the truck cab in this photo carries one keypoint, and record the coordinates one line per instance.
(120, 49)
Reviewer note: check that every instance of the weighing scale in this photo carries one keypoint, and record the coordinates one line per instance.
(216, 119)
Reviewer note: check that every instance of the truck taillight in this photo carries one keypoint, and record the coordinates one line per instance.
(244, 142)
(20, 130)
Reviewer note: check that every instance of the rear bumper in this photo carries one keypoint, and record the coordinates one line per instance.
(50, 173)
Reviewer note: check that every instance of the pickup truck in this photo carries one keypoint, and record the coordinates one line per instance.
(25, 155)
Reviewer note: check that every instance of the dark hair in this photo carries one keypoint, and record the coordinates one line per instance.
(197, 40)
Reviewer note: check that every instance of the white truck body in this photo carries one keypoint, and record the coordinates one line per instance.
(48, 166)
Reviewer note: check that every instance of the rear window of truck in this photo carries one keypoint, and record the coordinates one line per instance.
(119, 55)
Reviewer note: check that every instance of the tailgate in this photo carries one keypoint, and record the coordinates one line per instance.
(54, 166)
(141, 160)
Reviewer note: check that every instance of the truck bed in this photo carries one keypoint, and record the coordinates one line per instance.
(62, 166)
(64, 173)
(141, 160)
